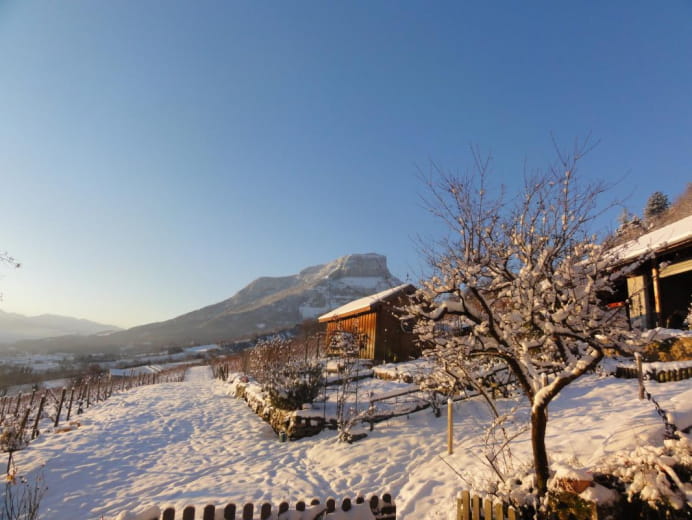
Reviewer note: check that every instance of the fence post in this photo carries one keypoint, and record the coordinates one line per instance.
(640, 375)
(450, 427)
(499, 513)
(24, 420)
(476, 507)
(69, 406)
(34, 432)
(57, 413)
(463, 505)
(16, 408)
(487, 508)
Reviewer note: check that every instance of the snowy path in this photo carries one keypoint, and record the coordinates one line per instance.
(189, 443)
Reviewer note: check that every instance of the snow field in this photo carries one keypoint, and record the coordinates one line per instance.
(177, 444)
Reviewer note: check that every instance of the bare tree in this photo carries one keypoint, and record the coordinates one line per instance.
(523, 277)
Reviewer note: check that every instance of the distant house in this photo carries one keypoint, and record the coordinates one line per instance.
(374, 319)
(659, 291)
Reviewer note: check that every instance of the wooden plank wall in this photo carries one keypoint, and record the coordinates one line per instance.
(365, 323)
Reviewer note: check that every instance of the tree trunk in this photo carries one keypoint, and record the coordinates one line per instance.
(539, 421)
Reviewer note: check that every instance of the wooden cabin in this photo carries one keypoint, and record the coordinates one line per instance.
(373, 319)
(659, 291)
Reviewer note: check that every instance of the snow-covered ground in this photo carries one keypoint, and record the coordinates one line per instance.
(190, 443)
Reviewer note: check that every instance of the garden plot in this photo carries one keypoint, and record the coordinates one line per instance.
(176, 444)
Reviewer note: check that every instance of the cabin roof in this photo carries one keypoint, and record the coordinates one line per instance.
(366, 303)
(658, 240)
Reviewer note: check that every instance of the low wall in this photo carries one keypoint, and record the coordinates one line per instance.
(295, 424)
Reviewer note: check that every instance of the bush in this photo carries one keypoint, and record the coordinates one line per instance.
(654, 479)
(21, 498)
(294, 385)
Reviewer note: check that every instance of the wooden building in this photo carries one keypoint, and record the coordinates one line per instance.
(374, 320)
(659, 291)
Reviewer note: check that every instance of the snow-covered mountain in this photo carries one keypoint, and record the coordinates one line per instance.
(265, 305)
(15, 327)
(274, 303)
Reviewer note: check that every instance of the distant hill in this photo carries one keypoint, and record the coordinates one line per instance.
(265, 305)
(15, 327)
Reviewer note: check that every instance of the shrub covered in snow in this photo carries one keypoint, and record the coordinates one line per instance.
(295, 384)
(656, 476)
(285, 373)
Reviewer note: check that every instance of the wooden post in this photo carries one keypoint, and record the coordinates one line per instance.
(450, 427)
(640, 375)
(24, 420)
(487, 508)
(34, 432)
(463, 503)
(59, 409)
(655, 282)
(16, 408)
(499, 513)
(69, 406)
(476, 507)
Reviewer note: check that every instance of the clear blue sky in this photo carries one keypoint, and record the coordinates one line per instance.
(157, 156)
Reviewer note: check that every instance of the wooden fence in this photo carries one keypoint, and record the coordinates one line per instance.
(63, 404)
(382, 509)
(662, 376)
(476, 508)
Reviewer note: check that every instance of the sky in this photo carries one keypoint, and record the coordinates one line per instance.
(157, 156)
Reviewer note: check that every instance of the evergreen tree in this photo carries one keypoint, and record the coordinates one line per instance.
(656, 205)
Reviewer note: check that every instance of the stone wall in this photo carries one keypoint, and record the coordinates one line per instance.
(296, 424)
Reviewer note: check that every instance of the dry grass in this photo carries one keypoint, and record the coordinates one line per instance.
(671, 349)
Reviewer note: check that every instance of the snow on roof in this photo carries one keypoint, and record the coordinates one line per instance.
(365, 303)
(662, 238)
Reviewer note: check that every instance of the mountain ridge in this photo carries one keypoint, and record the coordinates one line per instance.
(264, 305)
(16, 327)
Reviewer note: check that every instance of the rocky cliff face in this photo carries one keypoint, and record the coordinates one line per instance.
(266, 304)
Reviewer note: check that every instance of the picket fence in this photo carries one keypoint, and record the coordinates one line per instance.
(382, 509)
(473, 507)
